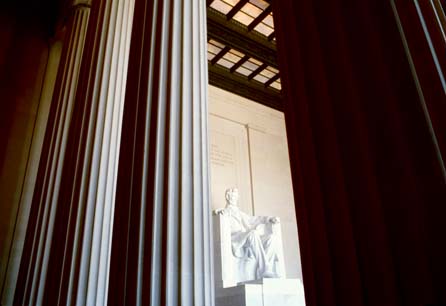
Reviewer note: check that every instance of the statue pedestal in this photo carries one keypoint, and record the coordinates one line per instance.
(231, 289)
(264, 292)
(231, 271)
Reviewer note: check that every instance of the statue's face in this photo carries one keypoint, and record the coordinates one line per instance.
(232, 196)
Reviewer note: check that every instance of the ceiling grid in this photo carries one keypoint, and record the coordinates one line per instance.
(241, 49)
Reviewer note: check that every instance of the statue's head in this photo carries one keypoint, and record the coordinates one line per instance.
(231, 195)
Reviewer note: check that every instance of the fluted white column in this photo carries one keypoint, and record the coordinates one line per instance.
(69, 242)
(40, 230)
(161, 251)
(89, 175)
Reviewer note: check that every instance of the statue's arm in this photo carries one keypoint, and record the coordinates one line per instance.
(220, 211)
(274, 220)
(256, 220)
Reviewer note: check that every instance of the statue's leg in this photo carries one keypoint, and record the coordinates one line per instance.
(256, 245)
(269, 243)
(269, 246)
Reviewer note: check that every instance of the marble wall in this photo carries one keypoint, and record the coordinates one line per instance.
(248, 150)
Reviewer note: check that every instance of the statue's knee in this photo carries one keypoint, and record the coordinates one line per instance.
(270, 239)
(253, 236)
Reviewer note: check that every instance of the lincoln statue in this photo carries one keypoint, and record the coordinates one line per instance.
(251, 240)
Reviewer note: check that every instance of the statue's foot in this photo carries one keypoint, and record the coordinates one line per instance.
(269, 274)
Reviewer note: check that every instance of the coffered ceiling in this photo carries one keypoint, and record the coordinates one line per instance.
(242, 50)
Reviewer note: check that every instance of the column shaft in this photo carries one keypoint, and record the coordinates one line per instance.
(34, 266)
(13, 251)
(161, 253)
(73, 230)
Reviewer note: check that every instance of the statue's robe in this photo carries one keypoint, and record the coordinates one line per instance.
(251, 242)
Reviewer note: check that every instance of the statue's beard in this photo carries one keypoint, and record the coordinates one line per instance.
(233, 206)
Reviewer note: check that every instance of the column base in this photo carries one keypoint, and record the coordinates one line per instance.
(264, 292)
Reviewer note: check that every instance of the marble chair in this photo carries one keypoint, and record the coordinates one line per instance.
(233, 290)
(231, 271)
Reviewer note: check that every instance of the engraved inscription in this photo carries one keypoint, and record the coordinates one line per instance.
(221, 156)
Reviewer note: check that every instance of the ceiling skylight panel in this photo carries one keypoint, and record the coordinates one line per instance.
(264, 29)
(260, 78)
(231, 2)
(277, 85)
(251, 10)
(213, 49)
(232, 57)
(225, 63)
(260, 4)
(267, 73)
(216, 43)
(272, 69)
(269, 21)
(238, 53)
(251, 65)
(243, 18)
(221, 6)
(257, 62)
(210, 56)
(243, 71)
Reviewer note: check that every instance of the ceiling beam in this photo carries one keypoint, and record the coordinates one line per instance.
(236, 35)
(259, 18)
(239, 63)
(271, 36)
(236, 9)
(220, 55)
(257, 71)
(253, 90)
(272, 80)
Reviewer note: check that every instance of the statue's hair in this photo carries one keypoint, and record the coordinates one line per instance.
(232, 189)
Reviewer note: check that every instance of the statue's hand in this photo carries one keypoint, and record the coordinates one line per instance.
(220, 211)
(274, 220)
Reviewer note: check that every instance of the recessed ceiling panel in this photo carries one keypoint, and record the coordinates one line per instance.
(234, 60)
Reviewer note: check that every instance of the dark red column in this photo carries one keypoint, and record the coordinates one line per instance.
(367, 171)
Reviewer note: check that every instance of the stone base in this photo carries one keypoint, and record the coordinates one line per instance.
(264, 292)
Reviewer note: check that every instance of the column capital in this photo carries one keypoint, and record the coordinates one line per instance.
(76, 3)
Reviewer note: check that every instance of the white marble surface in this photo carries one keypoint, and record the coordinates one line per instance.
(229, 161)
(283, 292)
(247, 247)
(266, 292)
(252, 139)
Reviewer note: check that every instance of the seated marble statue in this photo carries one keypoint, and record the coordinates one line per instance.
(249, 241)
